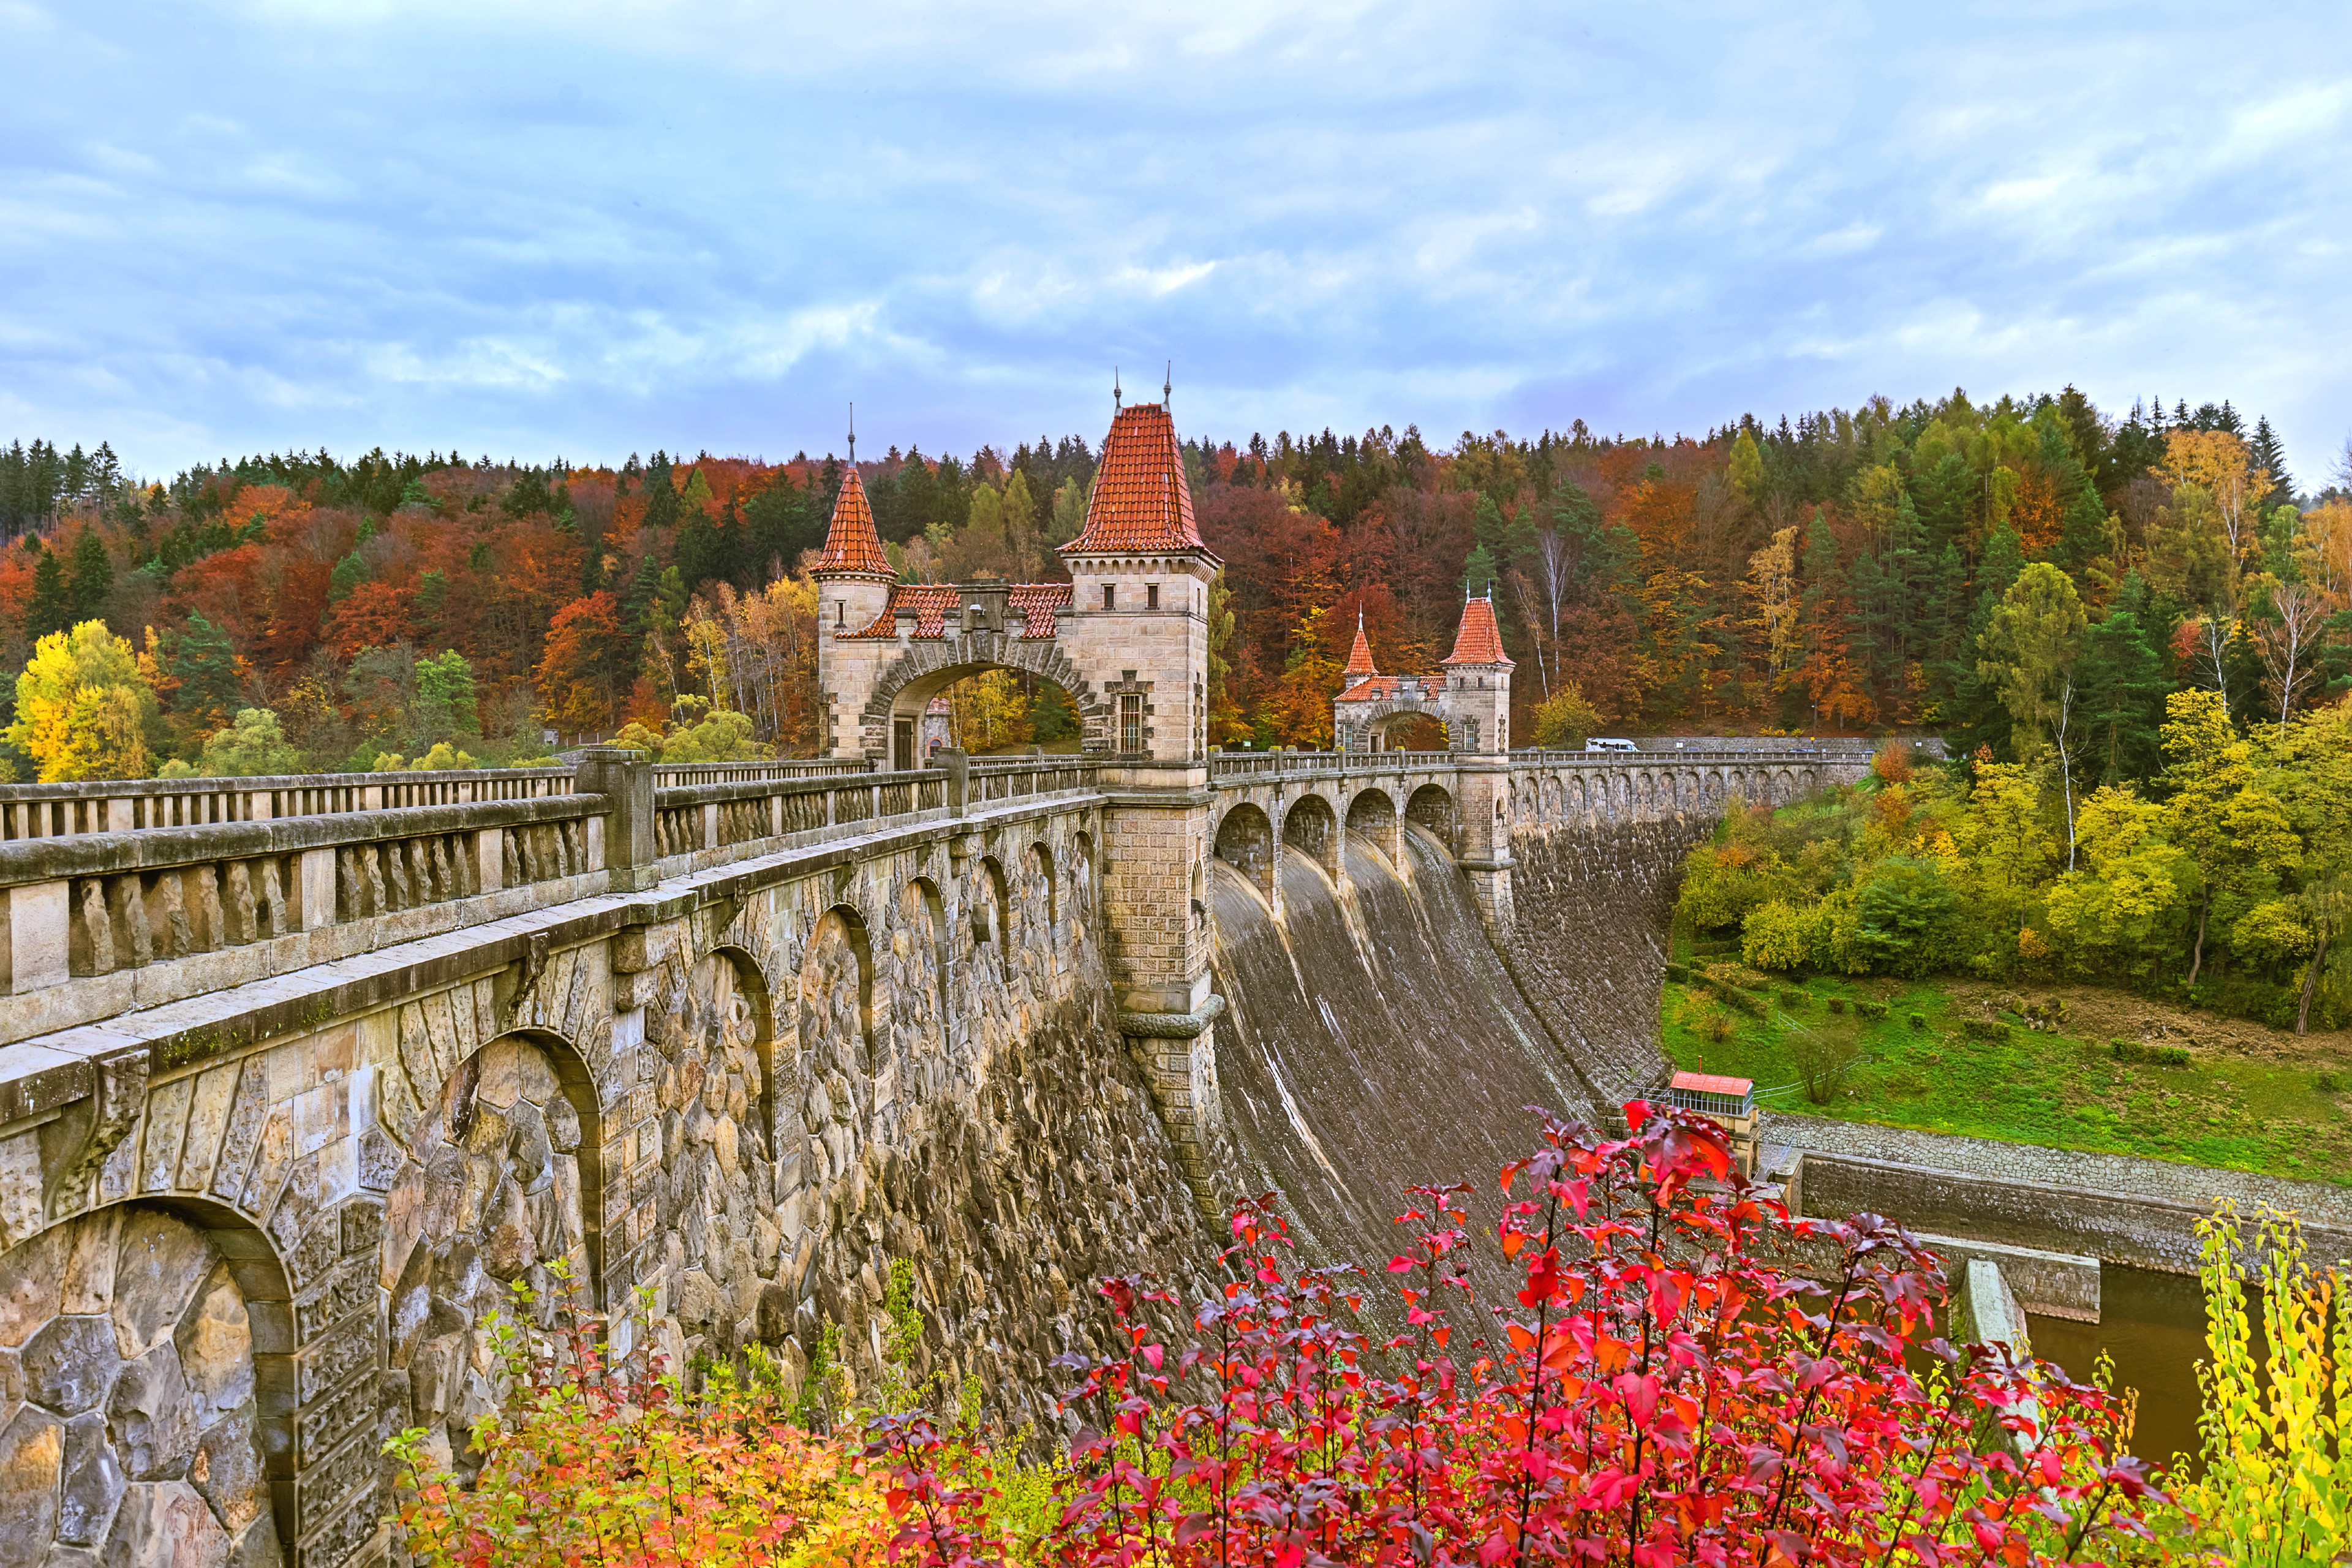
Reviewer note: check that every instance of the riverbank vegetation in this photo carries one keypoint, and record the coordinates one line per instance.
(2029, 1064)
(2223, 882)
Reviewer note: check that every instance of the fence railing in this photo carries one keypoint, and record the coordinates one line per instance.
(1252, 764)
(95, 904)
(126, 806)
(700, 818)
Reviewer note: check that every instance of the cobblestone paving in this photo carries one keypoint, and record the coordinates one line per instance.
(2197, 1185)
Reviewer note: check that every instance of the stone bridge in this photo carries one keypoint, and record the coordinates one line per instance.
(299, 1077)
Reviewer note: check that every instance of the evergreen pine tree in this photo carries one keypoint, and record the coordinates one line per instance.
(2122, 682)
(205, 664)
(1977, 717)
(50, 609)
(93, 577)
(661, 497)
(2267, 453)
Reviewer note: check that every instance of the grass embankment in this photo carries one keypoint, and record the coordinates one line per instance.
(2245, 1098)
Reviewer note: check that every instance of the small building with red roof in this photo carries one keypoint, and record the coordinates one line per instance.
(1126, 637)
(1470, 693)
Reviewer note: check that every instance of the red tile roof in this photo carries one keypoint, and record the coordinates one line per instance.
(931, 602)
(1038, 602)
(1713, 1083)
(1480, 641)
(1374, 689)
(851, 544)
(1141, 502)
(1360, 657)
(936, 604)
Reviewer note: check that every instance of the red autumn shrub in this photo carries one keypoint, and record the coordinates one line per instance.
(1660, 1390)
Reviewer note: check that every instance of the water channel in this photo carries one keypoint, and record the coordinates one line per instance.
(2154, 1326)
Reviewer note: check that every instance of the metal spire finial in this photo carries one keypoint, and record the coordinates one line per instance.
(1167, 385)
(853, 435)
(1114, 393)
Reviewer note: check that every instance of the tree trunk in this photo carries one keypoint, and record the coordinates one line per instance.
(2310, 985)
(2197, 954)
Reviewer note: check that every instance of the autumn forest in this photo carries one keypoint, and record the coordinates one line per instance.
(1840, 572)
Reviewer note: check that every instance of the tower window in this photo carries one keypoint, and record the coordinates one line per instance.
(1108, 592)
(1131, 721)
(1152, 595)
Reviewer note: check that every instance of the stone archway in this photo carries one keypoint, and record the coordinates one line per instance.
(1372, 814)
(139, 1432)
(927, 669)
(1246, 842)
(1432, 807)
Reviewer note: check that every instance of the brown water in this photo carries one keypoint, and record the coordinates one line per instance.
(2154, 1325)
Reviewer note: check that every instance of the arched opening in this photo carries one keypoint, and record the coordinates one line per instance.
(509, 1161)
(1246, 841)
(1431, 807)
(1046, 887)
(988, 709)
(152, 1405)
(1310, 827)
(1408, 731)
(991, 908)
(836, 1023)
(1373, 814)
(918, 971)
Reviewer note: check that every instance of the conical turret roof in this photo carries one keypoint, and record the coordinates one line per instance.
(1360, 657)
(1478, 640)
(851, 544)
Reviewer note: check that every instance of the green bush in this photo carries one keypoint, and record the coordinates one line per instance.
(2154, 1055)
(1919, 1020)
(1837, 1003)
(1793, 999)
(1984, 1029)
(1908, 911)
(1871, 1009)
(1678, 973)
(2329, 1082)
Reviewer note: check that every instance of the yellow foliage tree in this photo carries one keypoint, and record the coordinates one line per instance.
(82, 708)
(2219, 463)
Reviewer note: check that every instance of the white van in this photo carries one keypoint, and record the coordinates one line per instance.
(1609, 743)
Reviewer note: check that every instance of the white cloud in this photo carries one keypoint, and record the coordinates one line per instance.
(253, 225)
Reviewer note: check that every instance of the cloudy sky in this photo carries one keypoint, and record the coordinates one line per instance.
(585, 229)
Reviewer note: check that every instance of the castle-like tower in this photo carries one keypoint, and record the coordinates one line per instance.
(1127, 637)
(1471, 694)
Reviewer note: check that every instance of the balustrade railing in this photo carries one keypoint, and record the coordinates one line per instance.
(1231, 766)
(93, 904)
(124, 806)
(692, 818)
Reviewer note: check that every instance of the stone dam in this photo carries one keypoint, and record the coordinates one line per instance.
(300, 1076)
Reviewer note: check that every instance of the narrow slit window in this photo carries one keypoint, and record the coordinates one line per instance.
(1108, 591)
(1152, 595)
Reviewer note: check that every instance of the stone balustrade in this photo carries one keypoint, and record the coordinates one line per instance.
(705, 820)
(95, 904)
(123, 805)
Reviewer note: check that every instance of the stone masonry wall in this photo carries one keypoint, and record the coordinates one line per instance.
(745, 1093)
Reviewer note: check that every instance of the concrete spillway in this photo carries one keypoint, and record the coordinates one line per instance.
(1373, 1040)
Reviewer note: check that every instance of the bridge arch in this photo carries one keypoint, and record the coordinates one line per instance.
(1372, 814)
(506, 1177)
(1431, 807)
(1309, 827)
(917, 970)
(835, 1013)
(196, 1293)
(1246, 842)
